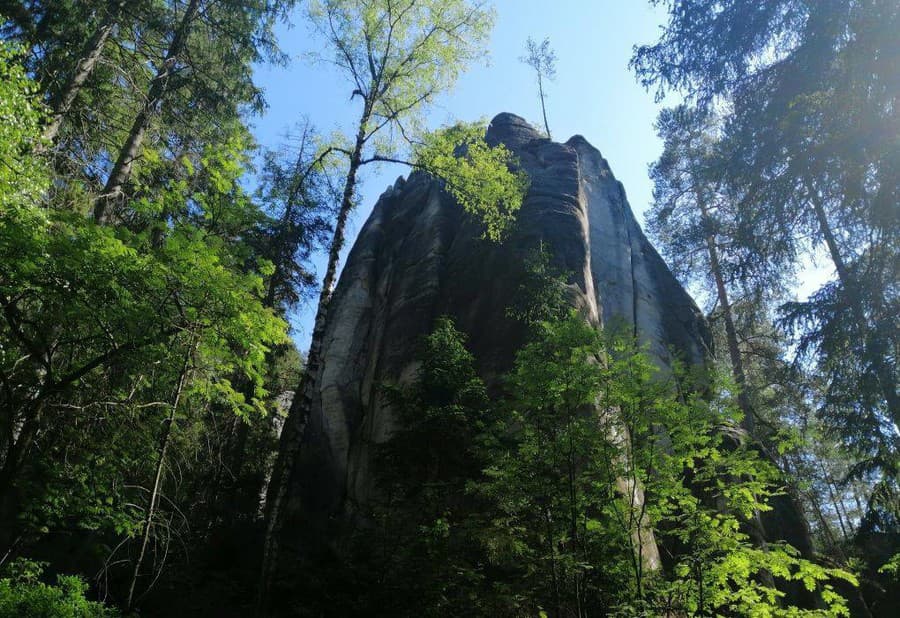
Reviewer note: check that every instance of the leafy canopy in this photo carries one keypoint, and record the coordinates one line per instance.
(399, 54)
(480, 177)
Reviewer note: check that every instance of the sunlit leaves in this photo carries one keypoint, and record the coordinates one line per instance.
(400, 54)
(22, 593)
(590, 415)
(483, 179)
(23, 176)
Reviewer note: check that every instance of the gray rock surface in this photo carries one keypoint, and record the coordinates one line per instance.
(419, 257)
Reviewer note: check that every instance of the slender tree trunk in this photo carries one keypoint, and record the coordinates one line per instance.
(83, 69)
(734, 352)
(18, 449)
(295, 424)
(841, 515)
(159, 86)
(543, 104)
(237, 441)
(238, 438)
(554, 578)
(835, 547)
(157, 477)
(874, 342)
(756, 528)
(281, 237)
(859, 507)
(226, 455)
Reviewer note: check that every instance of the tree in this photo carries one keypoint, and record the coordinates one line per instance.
(90, 92)
(586, 410)
(202, 71)
(89, 57)
(297, 191)
(398, 56)
(423, 556)
(542, 59)
(691, 208)
(808, 100)
(23, 594)
(97, 325)
(810, 95)
(300, 192)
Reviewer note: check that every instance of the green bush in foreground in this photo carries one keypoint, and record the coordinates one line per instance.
(22, 595)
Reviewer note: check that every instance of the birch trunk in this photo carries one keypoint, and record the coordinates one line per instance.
(295, 425)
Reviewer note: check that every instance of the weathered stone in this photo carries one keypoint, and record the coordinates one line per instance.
(419, 257)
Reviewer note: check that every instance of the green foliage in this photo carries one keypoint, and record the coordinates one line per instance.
(552, 477)
(400, 56)
(805, 151)
(424, 547)
(300, 191)
(23, 176)
(96, 325)
(606, 456)
(156, 343)
(892, 566)
(551, 499)
(481, 178)
(542, 59)
(811, 143)
(25, 596)
(541, 295)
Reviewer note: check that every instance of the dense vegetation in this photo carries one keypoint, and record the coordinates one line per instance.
(151, 254)
(785, 153)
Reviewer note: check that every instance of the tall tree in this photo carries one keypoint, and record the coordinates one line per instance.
(84, 66)
(541, 58)
(300, 190)
(398, 56)
(561, 521)
(202, 71)
(95, 326)
(691, 208)
(812, 99)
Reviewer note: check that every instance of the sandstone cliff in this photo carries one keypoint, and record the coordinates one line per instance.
(419, 257)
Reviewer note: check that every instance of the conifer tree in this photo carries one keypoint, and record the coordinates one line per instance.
(810, 91)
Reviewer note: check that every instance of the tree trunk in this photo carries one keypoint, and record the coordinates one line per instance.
(551, 552)
(874, 342)
(238, 440)
(157, 477)
(83, 69)
(159, 85)
(734, 352)
(543, 105)
(846, 530)
(281, 236)
(791, 507)
(295, 424)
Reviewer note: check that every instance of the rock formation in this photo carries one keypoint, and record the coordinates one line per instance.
(419, 257)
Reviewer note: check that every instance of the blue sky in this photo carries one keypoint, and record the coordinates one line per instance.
(594, 93)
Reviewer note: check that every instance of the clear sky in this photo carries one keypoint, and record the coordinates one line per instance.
(594, 93)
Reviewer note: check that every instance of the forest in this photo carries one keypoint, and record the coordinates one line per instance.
(156, 402)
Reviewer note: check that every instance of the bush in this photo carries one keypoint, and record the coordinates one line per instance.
(22, 595)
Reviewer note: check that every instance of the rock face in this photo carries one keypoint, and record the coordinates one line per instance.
(419, 257)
